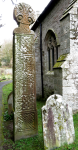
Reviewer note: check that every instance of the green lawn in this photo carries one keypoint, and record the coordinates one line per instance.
(34, 143)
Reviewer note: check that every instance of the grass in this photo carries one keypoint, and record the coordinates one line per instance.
(33, 143)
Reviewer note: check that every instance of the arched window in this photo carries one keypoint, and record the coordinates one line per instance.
(52, 49)
(50, 55)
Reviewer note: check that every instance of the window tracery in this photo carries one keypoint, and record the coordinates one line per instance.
(52, 52)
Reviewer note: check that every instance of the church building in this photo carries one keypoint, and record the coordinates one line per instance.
(56, 51)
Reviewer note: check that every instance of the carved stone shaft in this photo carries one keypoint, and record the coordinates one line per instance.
(24, 81)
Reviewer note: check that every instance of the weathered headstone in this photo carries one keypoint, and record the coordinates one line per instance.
(58, 127)
(24, 80)
(10, 103)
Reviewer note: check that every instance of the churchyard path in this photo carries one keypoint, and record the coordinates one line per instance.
(1, 85)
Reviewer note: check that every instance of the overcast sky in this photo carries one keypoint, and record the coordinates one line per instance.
(6, 9)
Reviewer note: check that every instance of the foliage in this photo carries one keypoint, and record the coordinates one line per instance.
(6, 53)
(5, 77)
(7, 116)
(33, 143)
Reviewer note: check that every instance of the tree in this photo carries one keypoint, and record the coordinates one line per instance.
(6, 53)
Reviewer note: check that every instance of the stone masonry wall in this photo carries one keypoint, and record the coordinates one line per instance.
(38, 64)
(70, 73)
(51, 22)
(58, 81)
(65, 35)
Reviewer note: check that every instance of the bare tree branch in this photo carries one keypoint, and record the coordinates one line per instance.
(11, 1)
(1, 25)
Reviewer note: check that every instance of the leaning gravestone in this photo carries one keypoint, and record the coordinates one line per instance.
(24, 80)
(58, 127)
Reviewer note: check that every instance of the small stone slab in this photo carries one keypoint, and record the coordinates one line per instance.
(58, 127)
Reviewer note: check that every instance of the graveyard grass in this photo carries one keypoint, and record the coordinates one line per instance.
(33, 143)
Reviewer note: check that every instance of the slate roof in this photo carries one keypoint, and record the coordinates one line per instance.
(46, 11)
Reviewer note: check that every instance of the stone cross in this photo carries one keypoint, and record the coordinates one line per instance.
(24, 79)
(58, 127)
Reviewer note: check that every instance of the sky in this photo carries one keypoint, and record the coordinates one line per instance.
(6, 10)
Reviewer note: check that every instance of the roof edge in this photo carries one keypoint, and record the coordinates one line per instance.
(45, 12)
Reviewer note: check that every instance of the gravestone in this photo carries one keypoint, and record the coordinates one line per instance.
(58, 127)
(10, 103)
(24, 79)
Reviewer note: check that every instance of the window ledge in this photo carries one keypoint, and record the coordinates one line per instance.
(50, 73)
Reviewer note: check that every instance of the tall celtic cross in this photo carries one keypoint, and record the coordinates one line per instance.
(24, 79)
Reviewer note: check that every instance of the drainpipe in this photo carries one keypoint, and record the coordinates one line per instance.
(41, 59)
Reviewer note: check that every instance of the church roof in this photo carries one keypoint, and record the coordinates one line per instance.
(45, 12)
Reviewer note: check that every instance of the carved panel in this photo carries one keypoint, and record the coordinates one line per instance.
(25, 87)
(29, 119)
(27, 124)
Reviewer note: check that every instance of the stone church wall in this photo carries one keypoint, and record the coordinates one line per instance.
(58, 81)
(38, 62)
(65, 35)
(51, 22)
(70, 75)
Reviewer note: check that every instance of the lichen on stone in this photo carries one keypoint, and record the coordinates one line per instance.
(60, 61)
(62, 57)
(58, 127)
(58, 65)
